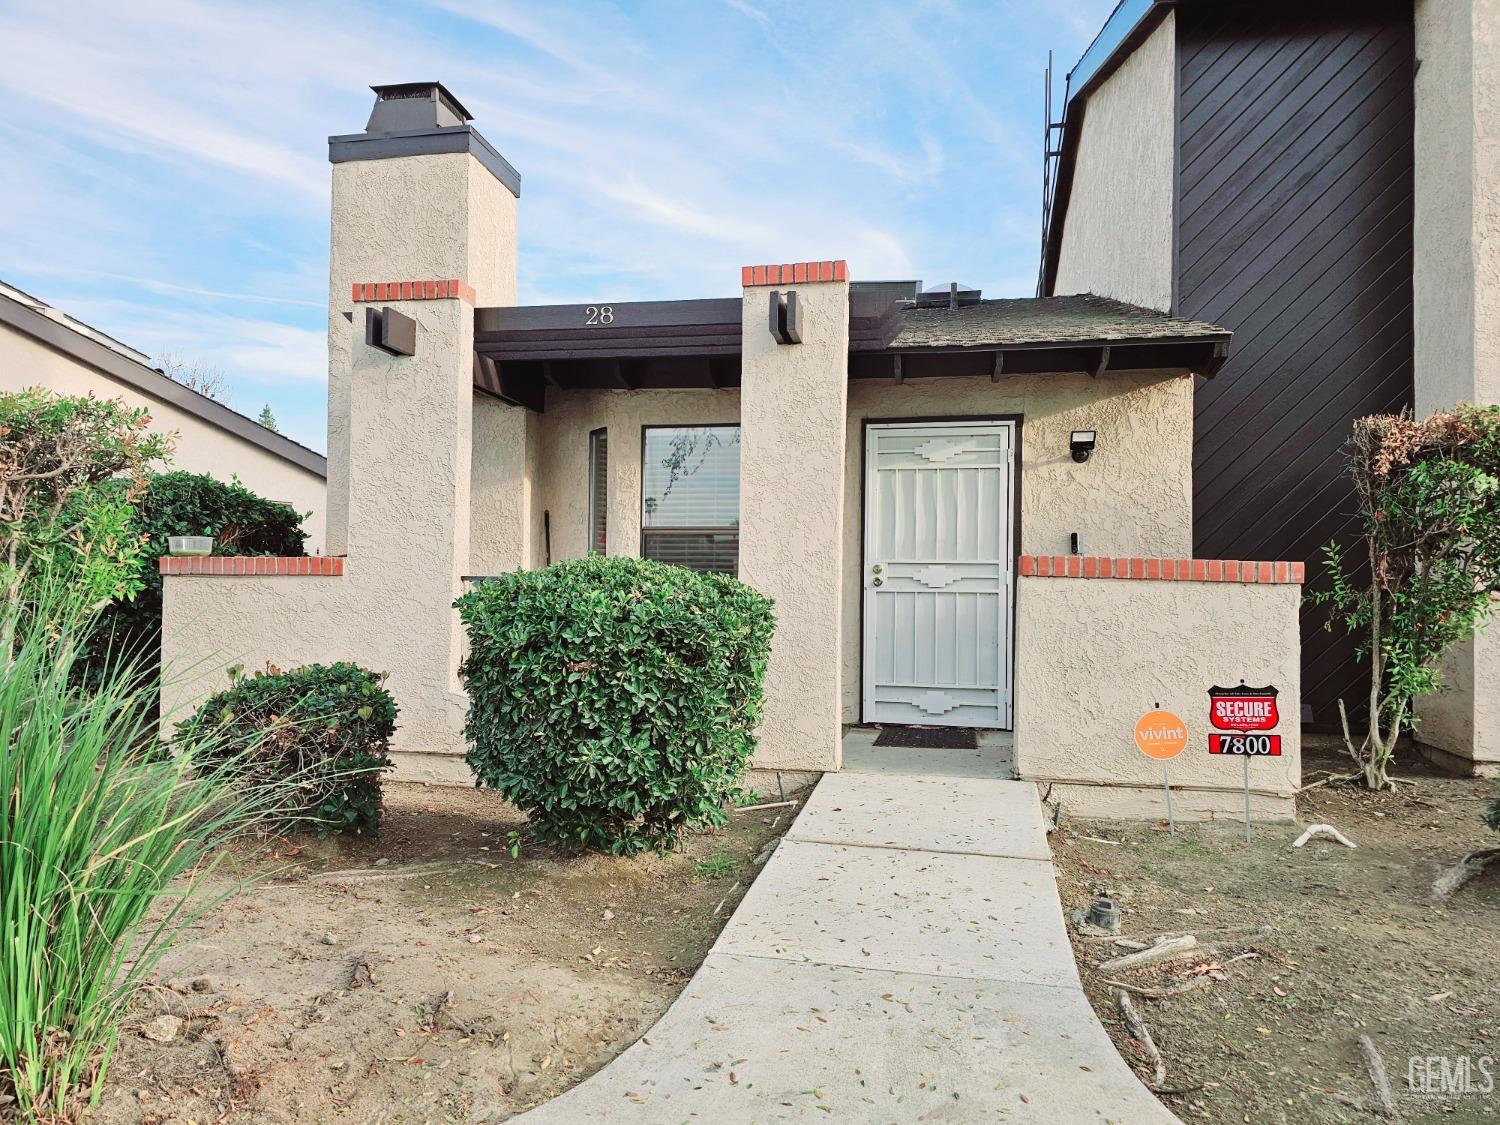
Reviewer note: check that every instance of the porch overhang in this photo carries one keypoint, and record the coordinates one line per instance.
(696, 344)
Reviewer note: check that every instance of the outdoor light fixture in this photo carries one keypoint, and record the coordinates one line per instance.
(786, 322)
(1082, 444)
(390, 331)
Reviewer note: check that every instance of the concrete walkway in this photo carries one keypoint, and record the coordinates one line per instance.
(902, 957)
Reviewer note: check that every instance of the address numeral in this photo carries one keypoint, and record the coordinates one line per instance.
(599, 314)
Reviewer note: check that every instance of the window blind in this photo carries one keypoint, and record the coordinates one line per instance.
(598, 492)
(690, 496)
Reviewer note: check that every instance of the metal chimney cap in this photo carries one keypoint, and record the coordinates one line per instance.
(403, 107)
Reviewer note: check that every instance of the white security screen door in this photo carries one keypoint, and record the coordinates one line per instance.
(937, 573)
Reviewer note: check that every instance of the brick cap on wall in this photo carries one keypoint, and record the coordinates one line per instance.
(413, 290)
(795, 273)
(1170, 570)
(324, 566)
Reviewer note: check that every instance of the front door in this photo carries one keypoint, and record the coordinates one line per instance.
(939, 522)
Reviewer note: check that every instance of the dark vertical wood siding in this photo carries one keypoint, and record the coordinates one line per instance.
(1295, 230)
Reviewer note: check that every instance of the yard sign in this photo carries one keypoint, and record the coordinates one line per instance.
(1245, 711)
(1162, 735)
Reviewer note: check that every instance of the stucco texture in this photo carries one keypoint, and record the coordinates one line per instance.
(793, 417)
(406, 219)
(1094, 655)
(505, 474)
(1456, 295)
(1132, 497)
(199, 447)
(409, 533)
(1118, 231)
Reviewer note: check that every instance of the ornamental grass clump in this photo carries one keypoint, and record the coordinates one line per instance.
(106, 848)
(325, 727)
(614, 700)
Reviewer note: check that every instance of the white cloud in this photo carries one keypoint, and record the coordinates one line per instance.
(164, 172)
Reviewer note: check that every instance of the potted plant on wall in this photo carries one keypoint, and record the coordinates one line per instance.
(197, 546)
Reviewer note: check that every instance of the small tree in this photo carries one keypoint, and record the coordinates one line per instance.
(268, 420)
(71, 470)
(1429, 496)
(208, 380)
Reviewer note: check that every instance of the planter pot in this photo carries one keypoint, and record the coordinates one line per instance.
(193, 545)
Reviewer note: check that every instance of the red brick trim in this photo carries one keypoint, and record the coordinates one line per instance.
(1169, 570)
(324, 566)
(413, 290)
(795, 273)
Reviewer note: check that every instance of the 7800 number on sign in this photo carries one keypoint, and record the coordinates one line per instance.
(1246, 745)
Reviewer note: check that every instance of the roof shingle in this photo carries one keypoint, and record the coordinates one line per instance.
(1081, 319)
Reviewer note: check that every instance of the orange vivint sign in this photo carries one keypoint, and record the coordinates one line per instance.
(1160, 735)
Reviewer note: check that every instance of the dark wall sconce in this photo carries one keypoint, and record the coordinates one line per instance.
(1081, 444)
(786, 321)
(390, 331)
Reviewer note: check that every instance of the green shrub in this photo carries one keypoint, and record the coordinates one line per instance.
(614, 700)
(70, 470)
(328, 725)
(180, 503)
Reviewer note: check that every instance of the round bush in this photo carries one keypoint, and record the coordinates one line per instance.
(614, 700)
(327, 727)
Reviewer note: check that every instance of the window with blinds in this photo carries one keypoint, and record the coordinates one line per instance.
(690, 496)
(598, 491)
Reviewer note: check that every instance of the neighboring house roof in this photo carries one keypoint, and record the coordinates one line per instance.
(1128, 26)
(1016, 321)
(92, 348)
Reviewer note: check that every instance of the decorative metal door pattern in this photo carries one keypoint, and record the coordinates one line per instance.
(939, 525)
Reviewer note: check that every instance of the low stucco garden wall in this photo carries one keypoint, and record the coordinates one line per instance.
(1094, 654)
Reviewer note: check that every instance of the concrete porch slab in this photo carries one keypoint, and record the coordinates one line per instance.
(755, 1040)
(980, 817)
(919, 912)
(994, 758)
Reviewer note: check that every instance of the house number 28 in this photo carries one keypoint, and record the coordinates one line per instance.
(599, 314)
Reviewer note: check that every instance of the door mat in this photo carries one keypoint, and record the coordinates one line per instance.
(929, 738)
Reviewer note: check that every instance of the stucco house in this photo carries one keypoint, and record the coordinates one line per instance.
(970, 512)
(1322, 180)
(42, 346)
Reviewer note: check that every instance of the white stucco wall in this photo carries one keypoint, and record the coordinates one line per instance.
(1118, 233)
(1456, 296)
(793, 417)
(1094, 655)
(416, 217)
(408, 545)
(504, 526)
(200, 446)
(402, 431)
(1132, 497)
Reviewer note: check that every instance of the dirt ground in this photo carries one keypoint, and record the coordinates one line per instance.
(1357, 946)
(424, 975)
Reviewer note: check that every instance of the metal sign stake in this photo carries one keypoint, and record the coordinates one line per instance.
(1246, 759)
(1167, 786)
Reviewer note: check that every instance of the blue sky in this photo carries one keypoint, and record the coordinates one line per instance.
(164, 164)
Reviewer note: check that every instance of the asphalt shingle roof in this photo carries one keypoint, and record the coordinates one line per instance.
(1044, 320)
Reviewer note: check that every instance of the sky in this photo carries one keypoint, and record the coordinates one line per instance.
(164, 175)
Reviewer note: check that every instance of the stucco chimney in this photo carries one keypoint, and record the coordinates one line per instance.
(420, 197)
(420, 119)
